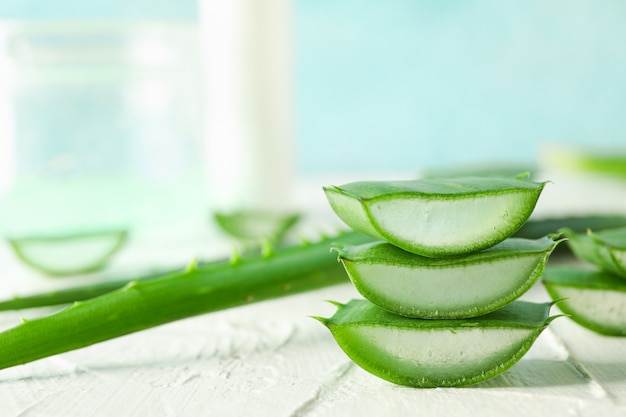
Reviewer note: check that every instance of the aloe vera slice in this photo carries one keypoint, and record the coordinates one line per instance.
(437, 217)
(594, 299)
(605, 249)
(256, 225)
(417, 286)
(436, 353)
(69, 254)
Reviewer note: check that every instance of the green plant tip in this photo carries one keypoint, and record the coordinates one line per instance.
(437, 217)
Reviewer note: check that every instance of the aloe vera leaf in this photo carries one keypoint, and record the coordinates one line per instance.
(69, 254)
(444, 288)
(437, 217)
(605, 249)
(536, 228)
(255, 224)
(72, 294)
(141, 305)
(594, 299)
(436, 353)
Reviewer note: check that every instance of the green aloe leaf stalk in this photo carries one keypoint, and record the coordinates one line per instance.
(141, 305)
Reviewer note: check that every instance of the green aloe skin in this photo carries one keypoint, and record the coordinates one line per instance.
(594, 299)
(423, 216)
(141, 305)
(445, 288)
(436, 353)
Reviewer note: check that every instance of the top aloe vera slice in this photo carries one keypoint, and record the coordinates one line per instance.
(437, 217)
(71, 253)
(436, 353)
(460, 287)
(605, 249)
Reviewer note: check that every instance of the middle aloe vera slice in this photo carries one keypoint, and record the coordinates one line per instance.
(417, 286)
(437, 217)
(436, 353)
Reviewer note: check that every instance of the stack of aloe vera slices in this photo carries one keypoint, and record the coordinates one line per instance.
(442, 281)
(595, 298)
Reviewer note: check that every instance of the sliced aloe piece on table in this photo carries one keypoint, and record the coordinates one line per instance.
(437, 217)
(255, 225)
(417, 286)
(436, 353)
(69, 254)
(594, 299)
(605, 249)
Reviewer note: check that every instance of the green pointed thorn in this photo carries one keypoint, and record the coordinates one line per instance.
(417, 286)
(322, 320)
(437, 217)
(594, 299)
(437, 353)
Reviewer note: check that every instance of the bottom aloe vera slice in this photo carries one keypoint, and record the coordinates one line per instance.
(417, 286)
(594, 299)
(436, 353)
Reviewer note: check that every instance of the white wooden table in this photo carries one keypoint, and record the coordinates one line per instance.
(271, 359)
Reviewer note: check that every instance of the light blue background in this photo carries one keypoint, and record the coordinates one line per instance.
(405, 84)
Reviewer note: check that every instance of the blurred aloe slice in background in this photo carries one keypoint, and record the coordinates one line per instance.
(605, 161)
(255, 224)
(71, 253)
(594, 299)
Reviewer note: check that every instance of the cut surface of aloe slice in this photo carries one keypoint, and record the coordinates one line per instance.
(417, 286)
(594, 299)
(437, 217)
(436, 353)
(605, 249)
(69, 254)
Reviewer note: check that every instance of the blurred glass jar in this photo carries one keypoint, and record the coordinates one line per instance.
(99, 125)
